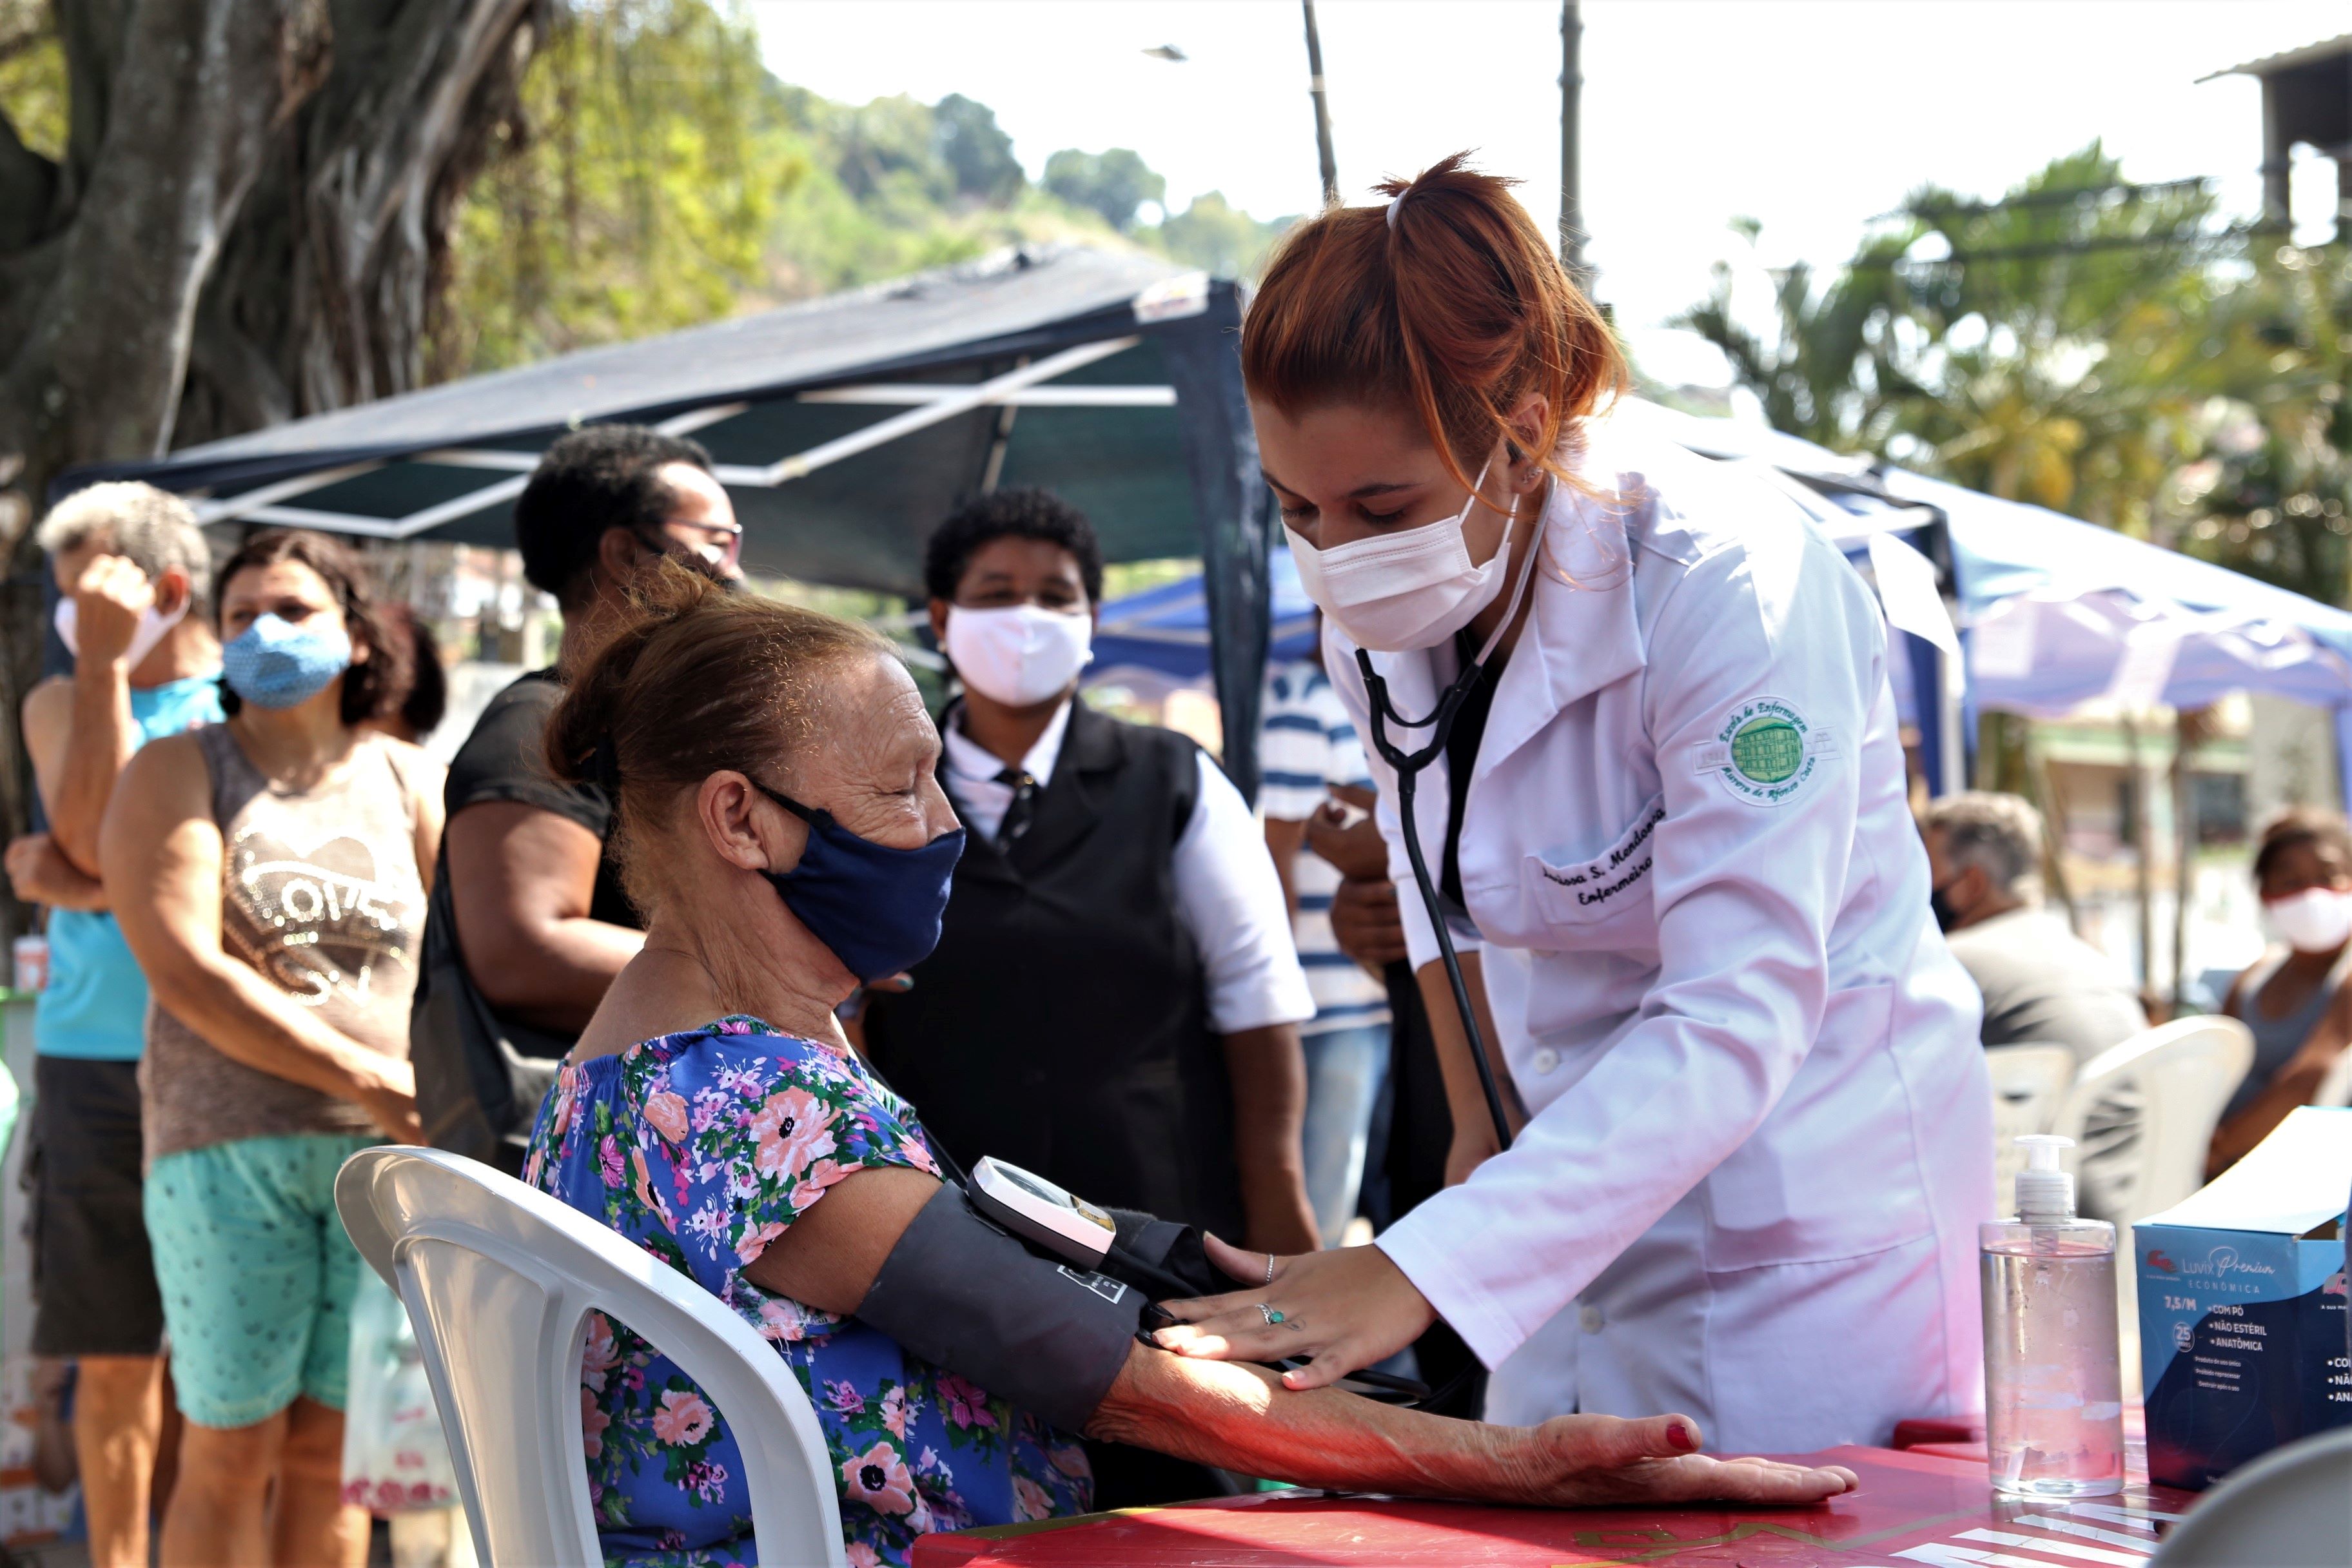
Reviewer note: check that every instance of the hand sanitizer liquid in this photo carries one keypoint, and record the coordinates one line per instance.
(2053, 1379)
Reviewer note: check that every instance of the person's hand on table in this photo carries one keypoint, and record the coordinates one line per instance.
(1344, 1308)
(1585, 1461)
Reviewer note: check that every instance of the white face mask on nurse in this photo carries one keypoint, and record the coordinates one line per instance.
(1389, 543)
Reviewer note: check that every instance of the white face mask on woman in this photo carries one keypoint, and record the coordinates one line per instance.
(2317, 920)
(153, 627)
(1411, 588)
(1020, 655)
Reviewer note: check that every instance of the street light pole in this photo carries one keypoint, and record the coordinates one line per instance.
(1571, 92)
(1331, 165)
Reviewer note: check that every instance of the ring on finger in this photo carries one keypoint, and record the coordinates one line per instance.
(1269, 1314)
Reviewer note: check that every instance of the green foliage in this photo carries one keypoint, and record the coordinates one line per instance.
(1112, 184)
(1219, 237)
(967, 139)
(2272, 494)
(32, 76)
(661, 177)
(639, 197)
(2108, 351)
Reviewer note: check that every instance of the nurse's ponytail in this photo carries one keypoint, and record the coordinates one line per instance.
(1448, 302)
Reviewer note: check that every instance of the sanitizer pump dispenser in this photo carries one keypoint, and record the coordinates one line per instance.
(2053, 1380)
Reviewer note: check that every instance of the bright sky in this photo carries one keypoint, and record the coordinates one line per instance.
(1810, 115)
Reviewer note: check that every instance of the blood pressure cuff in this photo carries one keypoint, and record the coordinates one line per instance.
(1167, 1248)
(959, 1293)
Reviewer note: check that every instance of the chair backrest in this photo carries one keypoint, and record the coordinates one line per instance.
(2184, 1072)
(2289, 1508)
(2028, 1084)
(498, 1280)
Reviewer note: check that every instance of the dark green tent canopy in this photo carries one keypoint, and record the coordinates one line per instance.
(843, 428)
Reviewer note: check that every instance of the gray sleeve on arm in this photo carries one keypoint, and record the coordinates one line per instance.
(959, 1293)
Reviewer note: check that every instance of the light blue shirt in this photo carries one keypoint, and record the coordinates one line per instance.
(95, 1007)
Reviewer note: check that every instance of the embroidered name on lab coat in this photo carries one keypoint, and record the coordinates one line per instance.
(1614, 872)
(1764, 752)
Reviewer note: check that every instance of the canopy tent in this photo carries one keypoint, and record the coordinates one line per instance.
(843, 428)
(1166, 628)
(2052, 612)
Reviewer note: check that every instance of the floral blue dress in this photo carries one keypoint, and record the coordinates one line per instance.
(703, 1147)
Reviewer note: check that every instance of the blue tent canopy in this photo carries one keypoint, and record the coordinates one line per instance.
(1167, 628)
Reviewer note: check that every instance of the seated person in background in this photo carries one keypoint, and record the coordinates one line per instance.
(784, 829)
(2295, 998)
(2042, 985)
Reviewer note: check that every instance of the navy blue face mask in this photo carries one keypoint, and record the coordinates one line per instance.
(878, 909)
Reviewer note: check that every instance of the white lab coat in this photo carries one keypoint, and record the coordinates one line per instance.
(1762, 1133)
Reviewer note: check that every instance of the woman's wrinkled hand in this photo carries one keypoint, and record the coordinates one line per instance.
(1343, 1310)
(1572, 1461)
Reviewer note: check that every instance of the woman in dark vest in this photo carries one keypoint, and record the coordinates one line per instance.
(1114, 999)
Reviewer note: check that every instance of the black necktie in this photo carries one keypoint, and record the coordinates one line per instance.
(1020, 810)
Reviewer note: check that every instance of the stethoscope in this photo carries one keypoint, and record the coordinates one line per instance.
(1408, 767)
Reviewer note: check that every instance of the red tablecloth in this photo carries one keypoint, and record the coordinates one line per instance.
(1906, 1500)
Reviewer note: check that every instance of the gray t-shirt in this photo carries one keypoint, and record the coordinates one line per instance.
(320, 893)
(2044, 985)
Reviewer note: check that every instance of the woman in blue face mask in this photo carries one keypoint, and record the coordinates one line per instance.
(270, 875)
(782, 828)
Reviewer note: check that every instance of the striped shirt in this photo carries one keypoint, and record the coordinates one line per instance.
(1307, 744)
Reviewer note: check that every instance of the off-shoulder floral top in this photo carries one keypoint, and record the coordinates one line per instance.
(703, 1147)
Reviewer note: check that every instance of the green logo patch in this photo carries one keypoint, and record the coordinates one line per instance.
(1765, 751)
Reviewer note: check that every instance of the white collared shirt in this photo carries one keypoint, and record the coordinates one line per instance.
(1227, 895)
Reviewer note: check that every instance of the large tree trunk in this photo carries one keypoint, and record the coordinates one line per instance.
(248, 223)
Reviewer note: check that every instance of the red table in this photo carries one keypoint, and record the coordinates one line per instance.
(1906, 1501)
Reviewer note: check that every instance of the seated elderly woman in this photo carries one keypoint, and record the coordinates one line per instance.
(783, 831)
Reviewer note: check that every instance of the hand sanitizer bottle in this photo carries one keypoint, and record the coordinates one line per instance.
(2053, 1380)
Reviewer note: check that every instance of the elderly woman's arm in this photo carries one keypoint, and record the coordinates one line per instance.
(162, 854)
(1238, 1415)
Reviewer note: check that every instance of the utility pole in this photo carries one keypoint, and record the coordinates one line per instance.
(1331, 165)
(1571, 92)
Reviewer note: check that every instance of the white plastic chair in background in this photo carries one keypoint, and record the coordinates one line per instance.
(498, 1280)
(2028, 1082)
(2290, 1508)
(2184, 1072)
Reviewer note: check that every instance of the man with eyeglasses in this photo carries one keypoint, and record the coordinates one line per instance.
(528, 924)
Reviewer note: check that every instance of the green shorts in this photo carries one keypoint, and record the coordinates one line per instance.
(256, 1274)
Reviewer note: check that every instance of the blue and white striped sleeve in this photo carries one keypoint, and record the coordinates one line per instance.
(1294, 752)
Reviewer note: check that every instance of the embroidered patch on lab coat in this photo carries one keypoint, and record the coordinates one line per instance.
(1764, 752)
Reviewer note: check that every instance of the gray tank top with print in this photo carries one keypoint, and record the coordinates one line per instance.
(320, 893)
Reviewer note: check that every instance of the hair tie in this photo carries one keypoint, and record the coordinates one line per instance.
(1394, 202)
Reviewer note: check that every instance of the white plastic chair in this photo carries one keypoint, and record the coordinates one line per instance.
(2028, 1084)
(498, 1280)
(2290, 1508)
(2186, 1072)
